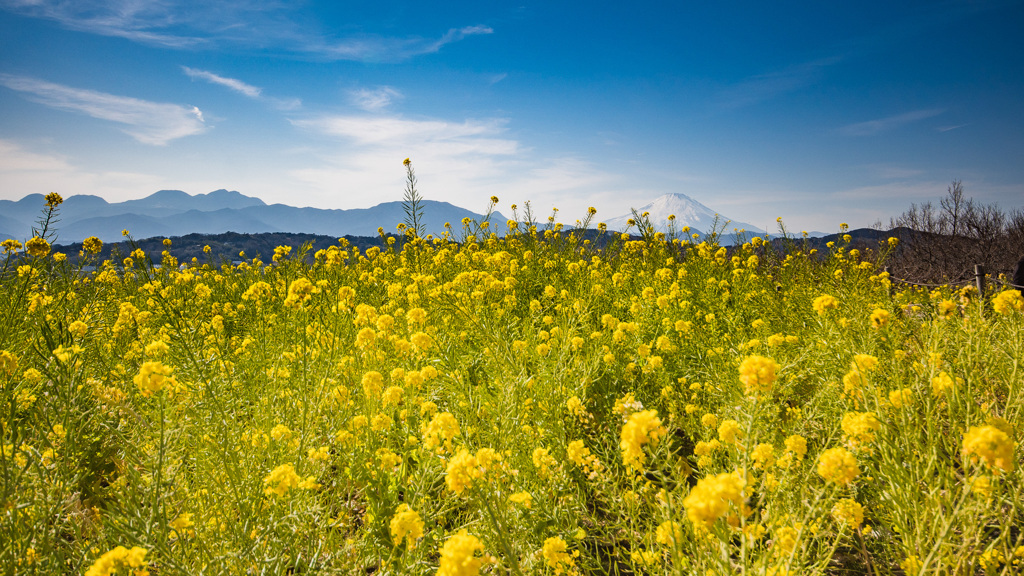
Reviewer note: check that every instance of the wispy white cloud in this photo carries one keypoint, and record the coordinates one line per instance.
(762, 87)
(463, 162)
(155, 123)
(374, 100)
(231, 83)
(285, 104)
(158, 22)
(387, 49)
(469, 136)
(948, 128)
(872, 127)
(184, 24)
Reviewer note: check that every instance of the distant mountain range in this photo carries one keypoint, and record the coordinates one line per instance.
(174, 213)
(170, 213)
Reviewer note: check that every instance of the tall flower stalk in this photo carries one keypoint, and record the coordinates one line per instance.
(412, 203)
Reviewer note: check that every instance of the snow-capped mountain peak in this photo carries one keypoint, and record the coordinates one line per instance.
(688, 212)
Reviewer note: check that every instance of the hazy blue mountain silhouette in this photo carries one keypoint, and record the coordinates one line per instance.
(176, 213)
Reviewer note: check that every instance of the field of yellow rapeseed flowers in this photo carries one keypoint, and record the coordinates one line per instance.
(521, 403)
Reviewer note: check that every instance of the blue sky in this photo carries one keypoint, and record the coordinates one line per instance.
(814, 112)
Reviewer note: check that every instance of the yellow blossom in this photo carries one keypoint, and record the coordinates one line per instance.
(946, 308)
(669, 533)
(763, 456)
(393, 395)
(406, 524)
(848, 512)
(556, 555)
(543, 461)
(152, 377)
(912, 565)
(901, 398)
(824, 303)
(461, 471)
(942, 383)
(730, 432)
(372, 382)
(112, 561)
(838, 465)
(641, 428)
(458, 555)
(711, 498)
(1007, 301)
(757, 373)
(860, 427)
(299, 292)
(37, 247)
(524, 499)
(879, 318)
(992, 445)
(280, 480)
(440, 430)
(92, 245)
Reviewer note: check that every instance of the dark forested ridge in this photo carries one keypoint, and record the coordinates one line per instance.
(226, 246)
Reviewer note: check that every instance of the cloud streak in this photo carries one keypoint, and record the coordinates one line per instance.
(374, 100)
(442, 137)
(230, 83)
(872, 127)
(154, 23)
(154, 123)
(756, 89)
(180, 24)
(390, 49)
(463, 162)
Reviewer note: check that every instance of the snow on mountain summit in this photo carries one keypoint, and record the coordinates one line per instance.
(688, 212)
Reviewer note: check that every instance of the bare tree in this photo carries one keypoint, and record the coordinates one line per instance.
(954, 206)
(944, 245)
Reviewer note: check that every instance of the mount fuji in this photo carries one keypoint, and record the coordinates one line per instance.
(688, 212)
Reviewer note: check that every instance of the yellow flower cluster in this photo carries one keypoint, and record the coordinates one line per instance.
(730, 432)
(440, 431)
(642, 428)
(848, 513)
(860, 427)
(92, 245)
(120, 557)
(459, 555)
(855, 380)
(757, 373)
(581, 456)
(543, 461)
(712, 497)
(822, 304)
(462, 470)
(556, 555)
(838, 465)
(879, 318)
(299, 292)
(283, 478)
(989, 444)
(1008, 301)
(406, 525)
(669, 534)
(37, 247)
(153, 376)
